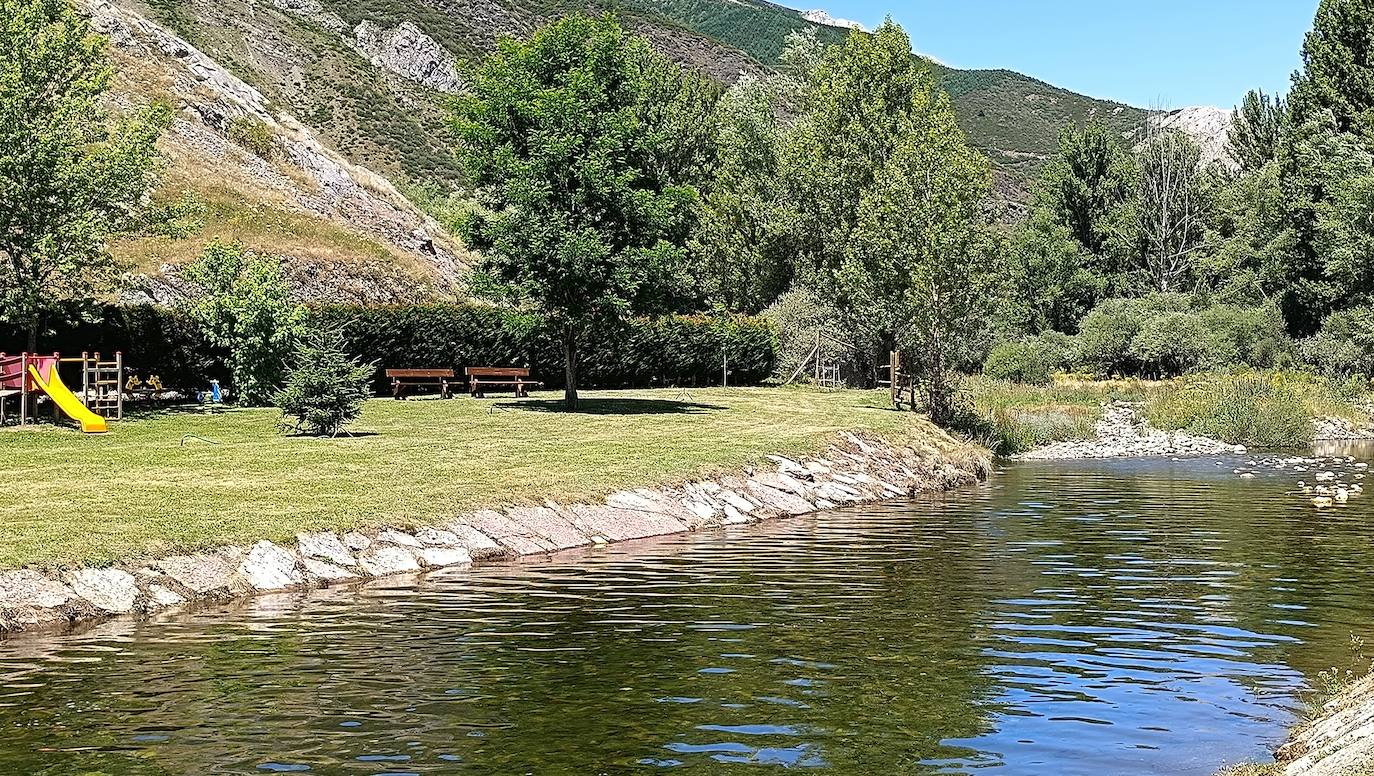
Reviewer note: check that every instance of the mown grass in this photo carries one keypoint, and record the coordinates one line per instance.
(182, 480)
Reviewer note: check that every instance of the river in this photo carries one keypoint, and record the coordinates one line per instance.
(1125, 617)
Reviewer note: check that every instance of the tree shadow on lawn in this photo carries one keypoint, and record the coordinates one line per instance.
(613, 406)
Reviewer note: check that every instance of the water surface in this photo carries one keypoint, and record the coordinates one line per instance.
(1136, 617)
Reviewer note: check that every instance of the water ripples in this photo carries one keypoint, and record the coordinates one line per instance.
(1102, 617)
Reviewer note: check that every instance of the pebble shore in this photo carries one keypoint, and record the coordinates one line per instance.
(1121, 433)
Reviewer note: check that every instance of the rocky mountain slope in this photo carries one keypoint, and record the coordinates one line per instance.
(345, 232)
(347, 96)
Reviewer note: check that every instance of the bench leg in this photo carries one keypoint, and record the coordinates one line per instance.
(443, 389)
(396, 389)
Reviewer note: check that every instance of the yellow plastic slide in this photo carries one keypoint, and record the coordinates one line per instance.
(91, 423)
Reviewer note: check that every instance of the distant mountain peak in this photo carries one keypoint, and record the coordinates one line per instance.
(821, 16)
(1207, 125)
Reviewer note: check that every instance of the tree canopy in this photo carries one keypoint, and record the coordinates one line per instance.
(585, 145)
(71, 173)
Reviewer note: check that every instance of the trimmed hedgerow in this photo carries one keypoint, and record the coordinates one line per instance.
(674, 350)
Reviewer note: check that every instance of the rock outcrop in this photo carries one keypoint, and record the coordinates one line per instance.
(1206, 125)
(853, 470)
(305, 174)
(408, 52)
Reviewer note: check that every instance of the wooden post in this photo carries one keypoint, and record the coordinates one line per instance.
(895, 377)
(724, 369)
(119, 385)
(23, 389)
(818, 356)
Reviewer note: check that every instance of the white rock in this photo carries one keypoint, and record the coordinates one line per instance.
(398, 537)
(325, 571)
(356, 541)
(163, 596)
(444, 556)
(269, 567)
(380, 561)
(324, 546)
(110, 590)
(434, 537)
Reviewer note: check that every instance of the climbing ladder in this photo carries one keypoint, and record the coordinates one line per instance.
(102, 385)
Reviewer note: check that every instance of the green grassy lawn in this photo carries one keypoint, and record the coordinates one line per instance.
(154, 485)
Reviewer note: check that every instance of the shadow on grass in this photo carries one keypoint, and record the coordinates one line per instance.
(613, 406)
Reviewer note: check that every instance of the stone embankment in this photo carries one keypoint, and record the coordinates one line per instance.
(852, 470)
(1338, 742)
(1121, 433)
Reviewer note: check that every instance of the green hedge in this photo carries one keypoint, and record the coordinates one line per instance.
(670, 351)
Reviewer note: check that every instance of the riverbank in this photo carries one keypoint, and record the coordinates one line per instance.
(428, 484)
(1337, 741)
(1203, 414)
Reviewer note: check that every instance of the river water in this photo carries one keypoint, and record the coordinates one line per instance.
(1129, 617)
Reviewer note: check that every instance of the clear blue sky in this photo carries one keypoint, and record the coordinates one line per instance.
(1171, 52)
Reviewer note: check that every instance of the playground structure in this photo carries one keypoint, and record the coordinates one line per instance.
(28, 375)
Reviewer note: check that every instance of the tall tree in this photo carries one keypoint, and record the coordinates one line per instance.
(1257, 124)
(585, 146)
(1338, 69)
(71, 173)
(920, 259)
(742, 237)
(855, 103)
(1090, 186)
(1173, 208)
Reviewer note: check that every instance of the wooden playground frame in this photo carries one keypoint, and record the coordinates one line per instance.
(102, 389)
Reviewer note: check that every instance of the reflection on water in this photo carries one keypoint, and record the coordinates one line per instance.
(1354, 448)
(1085, 618)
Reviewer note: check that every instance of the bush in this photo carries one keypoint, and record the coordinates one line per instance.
(675, 350)
(325, 388)
(1163, 335)
(1106, 333)
(1060, 349)
(253, 135)
(1345, 345)
(1169, 344)
(1019, 362)
(1253, 336)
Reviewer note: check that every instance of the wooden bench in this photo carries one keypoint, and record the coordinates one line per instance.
(481, 377)
(405, 378)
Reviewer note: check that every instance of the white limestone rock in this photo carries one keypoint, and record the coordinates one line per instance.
(110, 590)
(402, 538)
(444, 556)
(383, 560)
(269, 567)
(323, 571)
(325, 546)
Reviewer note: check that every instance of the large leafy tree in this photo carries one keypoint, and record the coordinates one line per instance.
(71, 173)
(920, 256)
(585, 145)
(1257, 125)
(244, 309)
(742, 237)
(1338, 67)
(856, 103)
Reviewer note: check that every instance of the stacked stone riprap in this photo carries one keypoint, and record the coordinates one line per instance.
(853, 470)
(1122, 434)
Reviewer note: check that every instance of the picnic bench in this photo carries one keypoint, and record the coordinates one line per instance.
(405, 378)
(482, 377)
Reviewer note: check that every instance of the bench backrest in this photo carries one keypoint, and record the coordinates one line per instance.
(419, 373)
(496, 371)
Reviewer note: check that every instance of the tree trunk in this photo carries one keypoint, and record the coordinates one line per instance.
(33, 336)
(569, 369)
